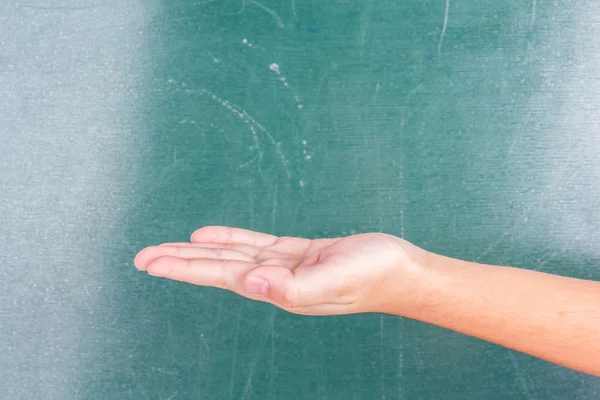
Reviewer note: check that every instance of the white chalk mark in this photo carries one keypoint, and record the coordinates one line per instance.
(294, 10)
(248, 162)
(252, 368)
(252, 125)
(492, 246)
(215, 59)
(275, 68)
(271, 12)
(520, 377)
(402, 207)
(255, 138)
(260, 167)
(400, 377)
(233, 360)
(418, 136)
(301, 183)
(279, 153)
(402, 223)
(171, 397)
(533, 7)
(204, 342)
(381, 363)
(546, 261)
(274, 209)
(202, 3)
(439, 48)
(243, 7)
(221, 309)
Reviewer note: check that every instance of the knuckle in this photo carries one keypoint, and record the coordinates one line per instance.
(290, 297)
(226, 281)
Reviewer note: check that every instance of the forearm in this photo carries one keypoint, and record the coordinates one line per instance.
(551, 317)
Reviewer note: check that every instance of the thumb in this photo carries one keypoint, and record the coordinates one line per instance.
(278, 284)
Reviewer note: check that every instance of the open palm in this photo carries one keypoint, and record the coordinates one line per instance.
(316, 277)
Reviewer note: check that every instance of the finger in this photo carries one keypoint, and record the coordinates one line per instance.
(244, 248)
(147, 255)
(259, 255)
(285, 262)
(222, 234)
(224, 274)
(290, 245)
(300, 246)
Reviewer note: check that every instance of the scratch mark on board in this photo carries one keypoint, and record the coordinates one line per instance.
(402, 231)
(233, 359)
(520, 377)
(492, 246)
(252, 369)
(242, 8)
(522, 219)
(171, 397)
(533, 7)
(221, 309)
(215, 59)
(260, 166)
(271, 12)
(204, 342)
(62, 9)
(513, 144)
(274, 209)
(248, 162)
(272, 357)
(552, 257)
(366, 21)
(401, 362)
(321, 381)
(439, 47)
(418, 136)
(381, 380)
(248, 120)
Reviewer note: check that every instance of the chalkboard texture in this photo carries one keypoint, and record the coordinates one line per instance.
(468, 127)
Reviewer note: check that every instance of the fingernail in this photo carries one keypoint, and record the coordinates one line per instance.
(257, 285)
(160, 270)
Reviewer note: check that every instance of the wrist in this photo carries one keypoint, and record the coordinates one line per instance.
(410, 286)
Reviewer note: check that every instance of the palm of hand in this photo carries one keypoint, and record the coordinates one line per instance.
(317, 277)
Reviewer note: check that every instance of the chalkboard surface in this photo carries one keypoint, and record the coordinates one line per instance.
(468, 127)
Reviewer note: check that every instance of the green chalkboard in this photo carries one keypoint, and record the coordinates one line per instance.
(468, 127)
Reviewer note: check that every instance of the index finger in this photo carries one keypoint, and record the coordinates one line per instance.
(224, 234)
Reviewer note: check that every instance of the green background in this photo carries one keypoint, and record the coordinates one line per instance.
(128, 123)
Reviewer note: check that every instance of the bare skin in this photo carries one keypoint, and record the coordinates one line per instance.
(551, 317)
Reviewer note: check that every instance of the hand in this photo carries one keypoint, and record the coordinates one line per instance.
(359, 273)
